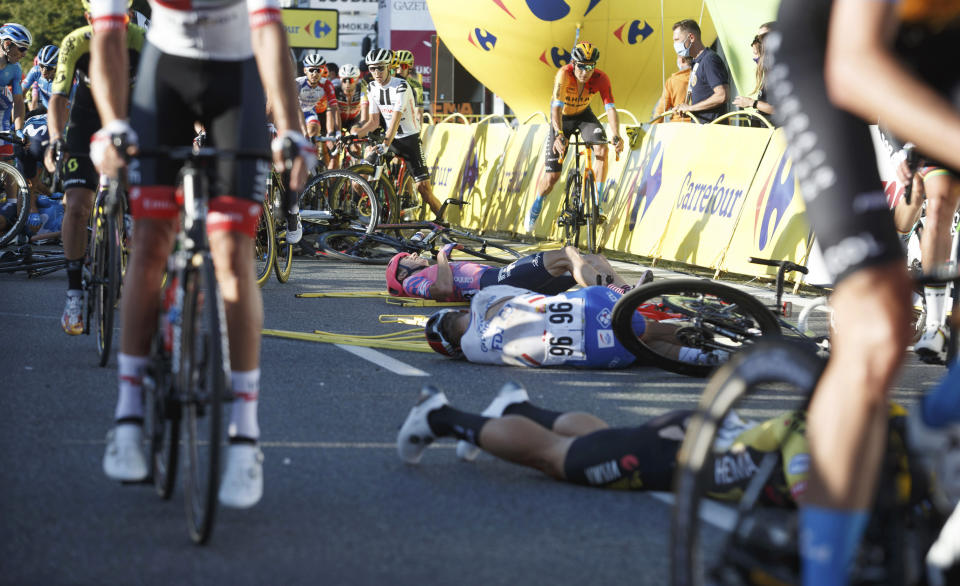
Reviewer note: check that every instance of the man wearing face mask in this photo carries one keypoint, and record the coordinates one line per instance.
(709, 81)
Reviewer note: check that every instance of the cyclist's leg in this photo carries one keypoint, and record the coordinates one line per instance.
(592, 131)
(551, 174)
(569, 260)
(847, 208)
(943, 193)
(80, 182)
(411, 150)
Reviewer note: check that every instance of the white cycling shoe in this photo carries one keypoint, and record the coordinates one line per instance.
(415, 434)
(242, 484)
(511, 393)
(123, 459)
(932, 346)
(296, 233)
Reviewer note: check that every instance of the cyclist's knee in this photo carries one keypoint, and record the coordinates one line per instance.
(549, 180)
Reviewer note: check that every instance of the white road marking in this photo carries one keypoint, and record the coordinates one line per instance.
(717, 514)
(30, 315)
(381, 359)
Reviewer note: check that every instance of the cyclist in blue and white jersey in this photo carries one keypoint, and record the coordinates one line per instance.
(207, 61)
(313, 89)
(15, 39)
(38, 84)
(393, 97)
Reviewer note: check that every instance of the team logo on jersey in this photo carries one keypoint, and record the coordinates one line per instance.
(778, 193)
(612, 296)
(799, 464)
(496, 343)
(603, 318)
(637, 28)
(605, 338)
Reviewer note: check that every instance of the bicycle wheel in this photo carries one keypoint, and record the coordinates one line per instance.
(570, 214)
(336, 200)
(283, 259)
(264, 245)
(591, 212)
(701, 321)
(481, 247)
(106, 280)
(714, 543)
(385, 190)
(162, 419)
(410, 202)
(370, 249)
(202, 386)
(14, 197)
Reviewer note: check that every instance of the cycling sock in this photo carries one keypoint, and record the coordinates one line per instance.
(130, 371)
(447, 421)
(75, 274)
(536, 207)
(621, 289)
(828, 543)
(243, 412)
(599, 186)
(935, 298)
(539, 415)
(941, 406)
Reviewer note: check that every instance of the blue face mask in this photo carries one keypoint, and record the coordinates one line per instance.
(681, 50)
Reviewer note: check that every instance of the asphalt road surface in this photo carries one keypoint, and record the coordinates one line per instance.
(339, 507)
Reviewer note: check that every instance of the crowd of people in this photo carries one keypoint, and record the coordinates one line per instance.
(149, 83)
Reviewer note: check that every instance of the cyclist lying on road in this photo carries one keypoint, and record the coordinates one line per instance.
(550, 272)
(517, 327)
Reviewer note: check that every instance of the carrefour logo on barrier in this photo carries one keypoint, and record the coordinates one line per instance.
(712, 197)
(649, 184)
(485, 39)
(318, 28)
(780, 195)
(638, 28)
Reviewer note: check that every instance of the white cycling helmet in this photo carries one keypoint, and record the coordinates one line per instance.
(378, 56)
(314, 60)
(349, 71)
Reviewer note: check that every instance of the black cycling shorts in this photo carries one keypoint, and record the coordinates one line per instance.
(78, 169)
(530, 273)
(225, 96)
(629, 458)
(590, 130)
(831, 149)
(410, 150)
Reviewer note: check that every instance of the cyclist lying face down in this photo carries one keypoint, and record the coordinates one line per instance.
(549, 272)
(518, 327)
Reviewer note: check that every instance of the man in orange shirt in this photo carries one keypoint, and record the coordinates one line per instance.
(674, 92)
(573, 87)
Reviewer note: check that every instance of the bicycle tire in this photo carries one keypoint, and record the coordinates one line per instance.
(335, 200)
(385, 190)
(202, 386)
(264, 245)
(590, 212)
(570, 214)
(773, 362)
(411, 204)
(353, 246)
(10, 173)
(477, 246)
(283, 259)
(162, 418)
(106, 283)
(708, 316)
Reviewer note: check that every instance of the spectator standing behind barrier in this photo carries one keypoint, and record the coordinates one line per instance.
(674, 92)
(709, 80)
(759, 101)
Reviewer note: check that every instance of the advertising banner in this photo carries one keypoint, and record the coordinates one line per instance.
(478, 180)
(773, 223)
(406, 24)
(521, 162)
(446, 157)
(623, 184)
(707, 171)
(311, 29)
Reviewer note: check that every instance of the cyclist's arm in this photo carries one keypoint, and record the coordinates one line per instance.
(57, 116)
(877, 86)
(109, 66)
(614, 120)
(442, 288)
(19, 112)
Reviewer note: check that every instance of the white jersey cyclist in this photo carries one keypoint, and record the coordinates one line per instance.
(537, 330)
(310, 96)
(199, 29)
(394, 99)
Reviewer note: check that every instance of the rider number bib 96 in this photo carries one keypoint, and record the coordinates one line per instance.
(563, 334)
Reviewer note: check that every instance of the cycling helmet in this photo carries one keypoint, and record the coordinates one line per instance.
(348, 71)
(585, 53)
(47, 57)
(395, 287)
(403, 57)
(314, 60)
(379, 56)
(16, 33)
(86, 5)
(437, 339)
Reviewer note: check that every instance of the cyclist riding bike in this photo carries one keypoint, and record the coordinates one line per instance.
(350, 96)
(38, 84)
(550, 272)
(574, 85)
(15, 40)
(70, 130)
(209, 63)
(318, 100)
(832, 61)
(393, 97)
(403, 67)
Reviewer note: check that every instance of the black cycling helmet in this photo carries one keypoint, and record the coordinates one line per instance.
(585, 53)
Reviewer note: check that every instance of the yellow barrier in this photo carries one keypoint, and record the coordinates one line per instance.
(522, 161)
(481, 174)
(446, 157)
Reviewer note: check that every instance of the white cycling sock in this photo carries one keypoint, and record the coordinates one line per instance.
(243, 414)
(130, 371)
(935, 298)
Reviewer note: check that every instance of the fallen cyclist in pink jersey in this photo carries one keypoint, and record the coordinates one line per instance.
(550, 272)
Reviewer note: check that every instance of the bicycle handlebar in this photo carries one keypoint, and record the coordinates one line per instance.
(11, 137)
